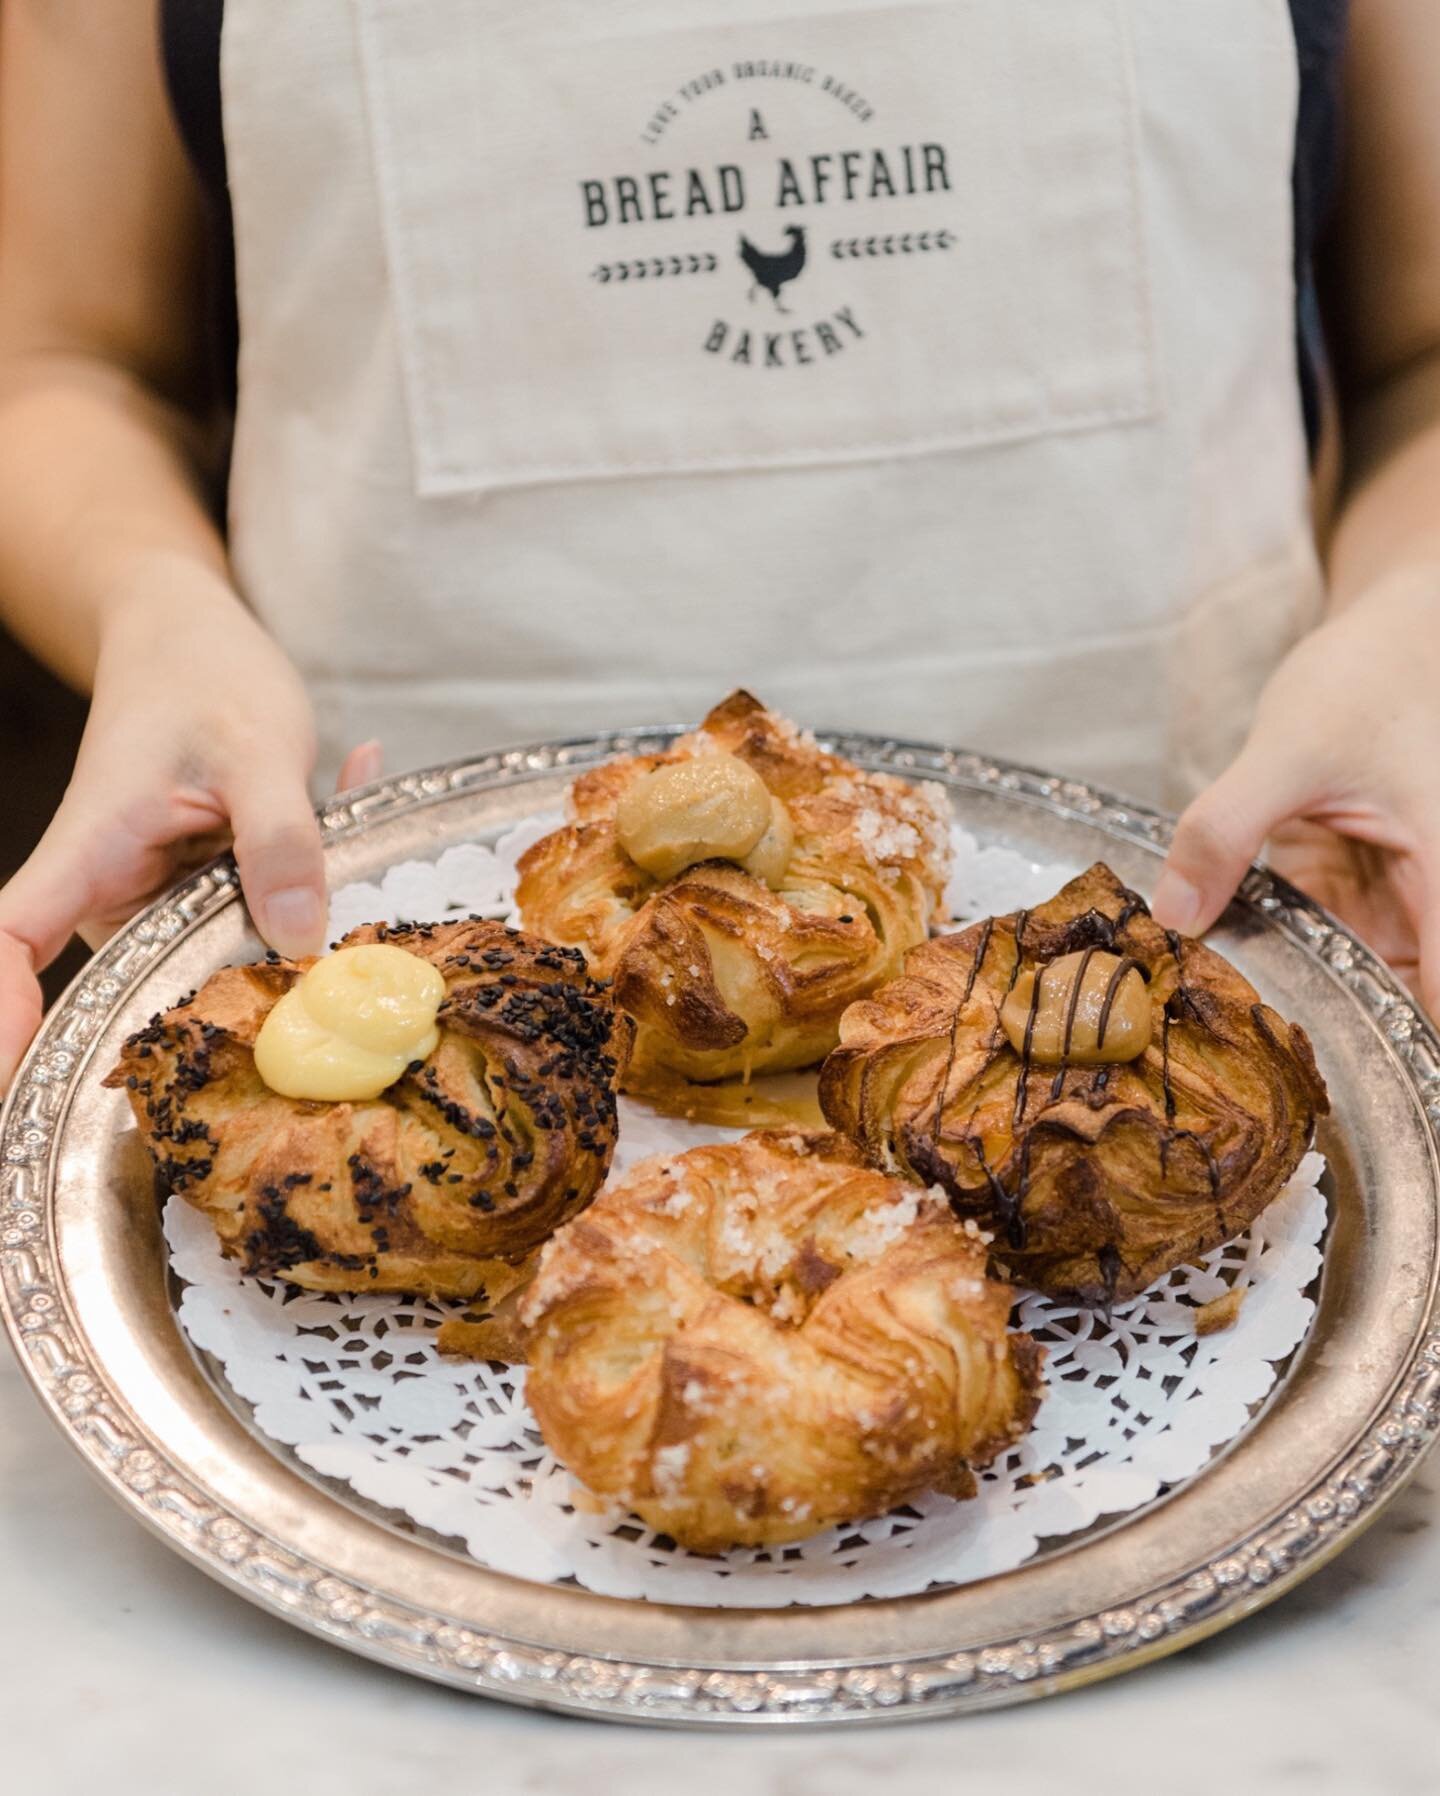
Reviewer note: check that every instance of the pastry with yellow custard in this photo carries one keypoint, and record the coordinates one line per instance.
(418, 1110)
(741, 889)
(351, 1024)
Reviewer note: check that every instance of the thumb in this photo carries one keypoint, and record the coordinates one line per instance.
(1221, 833)
(40, 909)
(277, 848)
(21, 1005)
(42, 906)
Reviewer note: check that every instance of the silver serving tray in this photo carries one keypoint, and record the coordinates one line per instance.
(84, 1291)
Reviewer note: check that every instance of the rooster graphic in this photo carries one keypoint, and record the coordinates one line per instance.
(774, 272)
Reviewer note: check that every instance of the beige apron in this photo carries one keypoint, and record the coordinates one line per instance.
(926, 368)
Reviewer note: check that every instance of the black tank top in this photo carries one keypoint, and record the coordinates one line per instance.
(190, 44)
(190, 37)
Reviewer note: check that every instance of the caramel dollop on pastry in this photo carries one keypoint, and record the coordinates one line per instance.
(746, 1344)
(740, 890)
(713, 807)
(449, 1178)
(1097, 1173)
(1089, 1008)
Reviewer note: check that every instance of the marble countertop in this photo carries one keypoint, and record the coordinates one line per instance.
(123, 1669)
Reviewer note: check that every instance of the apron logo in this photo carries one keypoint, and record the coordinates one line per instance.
(774, 272)
(764, 181)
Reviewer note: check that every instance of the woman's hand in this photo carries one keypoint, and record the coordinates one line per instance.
(1341, 774)
(199, 732)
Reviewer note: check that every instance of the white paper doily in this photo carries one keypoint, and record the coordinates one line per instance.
(354, 1384)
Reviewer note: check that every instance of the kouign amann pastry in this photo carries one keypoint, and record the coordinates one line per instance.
(741, 890)
(1110, 1098)
(488, 1116)
(746, 1344)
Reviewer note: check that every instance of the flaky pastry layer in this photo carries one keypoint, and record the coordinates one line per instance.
(746, 1344)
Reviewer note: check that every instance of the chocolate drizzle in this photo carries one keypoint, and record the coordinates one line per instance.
(1007, 1203)
(981, 950)
(1067, 1040)
(1022, 1084)
(1134, 906)
(1212, 1165)
(1174, 1005)
(1022, 917)
(1127, 964)
(1091, 929)
(1097, 931)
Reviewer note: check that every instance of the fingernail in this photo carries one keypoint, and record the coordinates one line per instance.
(294, 921)
(1177, 902)
(369, 760)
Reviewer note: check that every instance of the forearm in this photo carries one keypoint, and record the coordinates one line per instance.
(99, 490)
(1389, 517)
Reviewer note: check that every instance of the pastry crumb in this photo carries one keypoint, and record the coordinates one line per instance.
(1220, 1312)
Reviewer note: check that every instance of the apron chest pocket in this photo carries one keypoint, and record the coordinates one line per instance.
(673, 238)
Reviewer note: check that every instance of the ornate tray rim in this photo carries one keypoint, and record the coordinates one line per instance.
(81, 1398)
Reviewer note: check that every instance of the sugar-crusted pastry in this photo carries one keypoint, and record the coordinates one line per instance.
(445, 1179)
(1110, 1098)
(749, 1343)
(740, 889)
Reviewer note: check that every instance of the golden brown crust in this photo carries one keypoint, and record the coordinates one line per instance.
(725, 977)
(1099, 1179)
(749, 1343)
(445, 1183)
